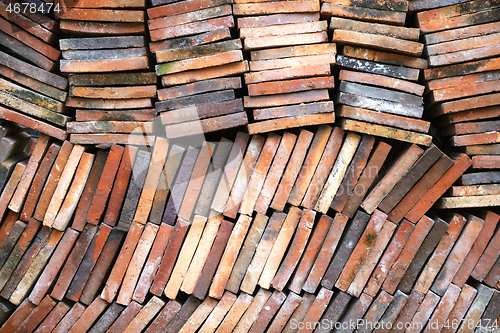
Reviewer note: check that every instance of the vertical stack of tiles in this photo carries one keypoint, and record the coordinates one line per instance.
(464, 93)
(378, 93)
(291, 63)
(199, 63)
(30, 93)
(110, 85)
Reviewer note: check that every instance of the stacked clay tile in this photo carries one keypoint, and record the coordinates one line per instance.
(302, 229)
(105, 53)
(101, 18)
(290, 64)
(31, 93)
(462, 46)
(146, 229)
(378, 92)
(199, 63)
(28, 32)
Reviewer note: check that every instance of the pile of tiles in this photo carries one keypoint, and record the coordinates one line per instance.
(31, 94)
(197, 61)
(463, 83)
(291, 64)
(111, 86)
(244, 200)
